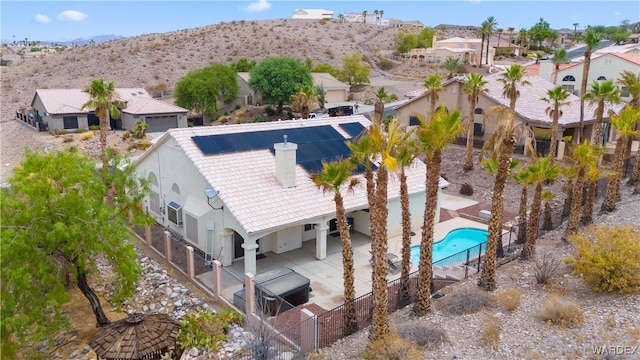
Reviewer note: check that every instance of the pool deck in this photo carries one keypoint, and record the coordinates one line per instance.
(326, 275)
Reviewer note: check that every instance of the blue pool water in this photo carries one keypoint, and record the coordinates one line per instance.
(455, 243)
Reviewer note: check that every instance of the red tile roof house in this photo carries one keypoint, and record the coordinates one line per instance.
(264, 200)
(530, 109)
(62, 109)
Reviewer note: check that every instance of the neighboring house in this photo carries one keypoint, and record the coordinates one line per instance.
(502, 44)
(334, 90)
(465, 49)
(312, 14)
(264, 199)
(370, 18)
(607, 66)
(62, 109)
(529, 109)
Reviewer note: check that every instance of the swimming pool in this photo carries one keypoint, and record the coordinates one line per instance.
(456, 242)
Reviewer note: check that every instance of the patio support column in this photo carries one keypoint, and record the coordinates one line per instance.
(321, 240)
(250, 247)
(226, 241)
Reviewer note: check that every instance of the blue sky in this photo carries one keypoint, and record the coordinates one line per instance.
(66, 20)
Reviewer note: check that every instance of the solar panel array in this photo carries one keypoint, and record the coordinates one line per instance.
(315, 144)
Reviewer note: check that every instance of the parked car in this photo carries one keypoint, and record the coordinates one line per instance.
(315, 116)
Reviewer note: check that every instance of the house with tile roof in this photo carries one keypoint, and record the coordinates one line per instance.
(605, 66)
(312, 14)
(465, 49)
(62, 109)
(260, 197)
(530, 110)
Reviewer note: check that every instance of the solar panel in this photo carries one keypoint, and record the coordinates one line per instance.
(353, 129)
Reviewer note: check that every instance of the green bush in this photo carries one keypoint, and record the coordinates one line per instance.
(608, 258)
(203, 330)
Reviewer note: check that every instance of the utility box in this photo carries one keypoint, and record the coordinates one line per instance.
(485, 214)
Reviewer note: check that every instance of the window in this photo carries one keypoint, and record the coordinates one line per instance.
(600, 78)
(569, 88)
(153, 179)
(154, 202)
(174, 213)
(478, 111)
(308, 227)
(175, 188)
(569, 78)
(191, 227)
(413, 120)
(70, 122)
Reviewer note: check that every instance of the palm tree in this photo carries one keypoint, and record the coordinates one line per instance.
(542, 170)
(557, 97)
(582, 157)
(377, 14)
(405, 156)
(547, 223)
(523, 177)
(570, 173)
(632, 83)
(625, 124)
(499, 31)
(511, 30)
(381, 12)
(598, 95)
(341, 17)
(432, 137)
(381, 97)
(592, 39)
(593, 173)
(364, 16)
(451, 64)
(106, 102)
(490, 25)
(473, 85)
(575, 31)
(304, 100)
(333, 177)
(559, 57)
(511, 79)
(523, 36)
(433, 86)
(383, 144)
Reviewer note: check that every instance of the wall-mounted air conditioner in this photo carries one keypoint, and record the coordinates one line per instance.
(174, 213)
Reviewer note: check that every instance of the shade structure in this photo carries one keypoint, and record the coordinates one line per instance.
(137, 336)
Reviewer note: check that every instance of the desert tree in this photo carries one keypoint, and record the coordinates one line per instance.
(106, 103)
(354, 70)
(473, 85)
(432, 137)
(202, 90)
(333, 177)
(63, 213)
(277, 78)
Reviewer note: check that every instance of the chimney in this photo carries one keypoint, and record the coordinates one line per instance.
(546, 70)
(286, 162)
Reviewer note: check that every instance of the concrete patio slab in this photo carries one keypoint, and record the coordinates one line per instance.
(452, 202)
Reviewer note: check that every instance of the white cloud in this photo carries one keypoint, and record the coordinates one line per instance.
(42, 19)
(261, 5)
(72, 15)
(475, 1)
(616, 13)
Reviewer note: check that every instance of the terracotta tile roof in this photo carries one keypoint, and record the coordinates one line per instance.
(70, 101)
(534, 69)
(248, 186)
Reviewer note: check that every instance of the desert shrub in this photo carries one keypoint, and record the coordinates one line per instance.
(81, 130)
(67, 139)
(546, 267)
(385, 64)
(94, 127)
(86, 136)
(230, 316)
(466, 300)
(238, 106)
(317, 355)
(143, 144)
(491, 329)
(126, 134)
(558, 311)
(391, 347)
(60, 132)
(223, 119)
(424, 334)
(393, 97)
(608, 258)
(509, 299)
(270, 110)
(466, 189)
(140, 129)
(256, 118)
(203, 330)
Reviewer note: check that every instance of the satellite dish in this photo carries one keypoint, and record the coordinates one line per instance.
(210, 192)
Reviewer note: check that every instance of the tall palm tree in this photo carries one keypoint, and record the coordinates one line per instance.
(511, 80)
(559, 57)
(523, 177)
(432, 137)
(405, 154)
(593, 173)
(451, 64)
(377, 14)
(383, 144)
(625, 124)
(333, 177)
(490, 24)
(583, 155)
(523, 37)
(557, 97)
(575, 31)
(542, 170)
(381, 97)
(473, 85)
(599, 94)
(341, 17)
(364, 16)
(632, 82)
(362, 153)
(304, 100)
(482, 33)
(433, 86)
(499, 31)
(511, 30)
(570, 173)
(106, 102)
(547, 223)
(381, 12)
(592, 39)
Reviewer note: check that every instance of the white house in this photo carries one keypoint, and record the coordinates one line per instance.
(62, 109)
(312, 14)
(259, 196)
